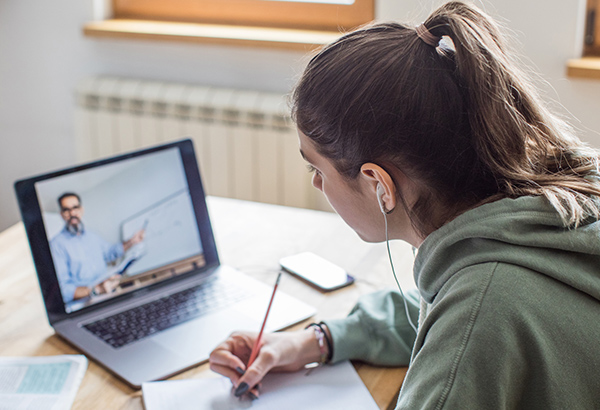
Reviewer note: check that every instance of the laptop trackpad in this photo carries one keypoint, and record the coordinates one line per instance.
(199, 337)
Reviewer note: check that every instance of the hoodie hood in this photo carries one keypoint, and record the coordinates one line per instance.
(526, 231)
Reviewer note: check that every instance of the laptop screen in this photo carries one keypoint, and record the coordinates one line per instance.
(120, 225)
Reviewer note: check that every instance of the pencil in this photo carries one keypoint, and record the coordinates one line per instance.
(256, 347)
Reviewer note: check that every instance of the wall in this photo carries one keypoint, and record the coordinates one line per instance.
(43, 55)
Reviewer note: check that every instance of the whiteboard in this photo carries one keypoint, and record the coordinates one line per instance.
(171, 233)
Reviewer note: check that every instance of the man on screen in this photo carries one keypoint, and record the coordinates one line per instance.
(81, 256)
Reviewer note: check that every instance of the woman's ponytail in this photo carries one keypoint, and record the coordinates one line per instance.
(527, 149)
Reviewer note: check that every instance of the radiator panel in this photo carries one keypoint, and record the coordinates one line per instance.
(246, 145)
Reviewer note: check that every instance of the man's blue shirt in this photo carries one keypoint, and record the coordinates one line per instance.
(81, 259)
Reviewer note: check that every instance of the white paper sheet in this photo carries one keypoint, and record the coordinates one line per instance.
(328, 387)
(41, 383)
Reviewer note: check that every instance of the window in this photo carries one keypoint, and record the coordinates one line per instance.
(591, 41)
(588, 67)
(333, 15)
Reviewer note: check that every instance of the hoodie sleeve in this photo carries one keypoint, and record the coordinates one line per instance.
(376, 330)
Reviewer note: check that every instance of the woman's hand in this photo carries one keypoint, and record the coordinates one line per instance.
(285, 351)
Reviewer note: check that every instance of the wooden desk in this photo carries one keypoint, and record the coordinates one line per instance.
(251, 237)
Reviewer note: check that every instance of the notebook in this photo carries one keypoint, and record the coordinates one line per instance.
(323, 388)
(128, 266)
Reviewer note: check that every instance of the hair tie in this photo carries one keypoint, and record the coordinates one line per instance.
(425, 35)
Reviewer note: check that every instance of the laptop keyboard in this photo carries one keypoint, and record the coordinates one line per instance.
(142, 321)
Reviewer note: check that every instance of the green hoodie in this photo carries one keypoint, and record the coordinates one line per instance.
(509, 315)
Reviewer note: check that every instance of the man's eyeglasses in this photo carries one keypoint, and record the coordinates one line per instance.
(69, 210)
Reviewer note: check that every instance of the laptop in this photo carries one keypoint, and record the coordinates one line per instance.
(128, 266)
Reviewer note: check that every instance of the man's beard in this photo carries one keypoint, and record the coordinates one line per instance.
(75, 228)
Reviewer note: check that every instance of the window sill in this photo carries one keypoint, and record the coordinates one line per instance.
(586, 67)
(293, 39)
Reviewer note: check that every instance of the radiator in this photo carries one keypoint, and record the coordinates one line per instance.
(246, 145)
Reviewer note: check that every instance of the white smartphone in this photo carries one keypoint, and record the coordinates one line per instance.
(316, 271)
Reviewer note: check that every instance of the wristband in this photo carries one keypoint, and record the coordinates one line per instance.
(322, 338)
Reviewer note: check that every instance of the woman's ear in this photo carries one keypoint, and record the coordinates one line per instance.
(381, 184)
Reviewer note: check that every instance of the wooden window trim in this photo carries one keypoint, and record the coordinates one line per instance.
(282, 14)
(290, 25)
(289, 39)
(591, 40)
(588, 67)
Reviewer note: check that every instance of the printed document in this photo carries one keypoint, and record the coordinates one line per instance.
(41, 383)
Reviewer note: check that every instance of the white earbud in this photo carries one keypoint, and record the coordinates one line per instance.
(380, 194)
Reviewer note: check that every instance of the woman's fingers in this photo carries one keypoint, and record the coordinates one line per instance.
(228, 372)
(229, 358)
(254, 374)
(232, 352)
(278, 351)
(254, 393)
(224, 359)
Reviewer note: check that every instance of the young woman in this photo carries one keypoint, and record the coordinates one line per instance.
(433, 136)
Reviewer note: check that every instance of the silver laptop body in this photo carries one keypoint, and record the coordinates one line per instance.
(176, 261)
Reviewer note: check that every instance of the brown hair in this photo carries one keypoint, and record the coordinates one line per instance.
(65, 195)
(459, 117)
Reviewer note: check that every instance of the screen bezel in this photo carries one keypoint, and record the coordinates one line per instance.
(33, 222)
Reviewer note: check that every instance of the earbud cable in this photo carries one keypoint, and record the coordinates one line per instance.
(387, 241)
